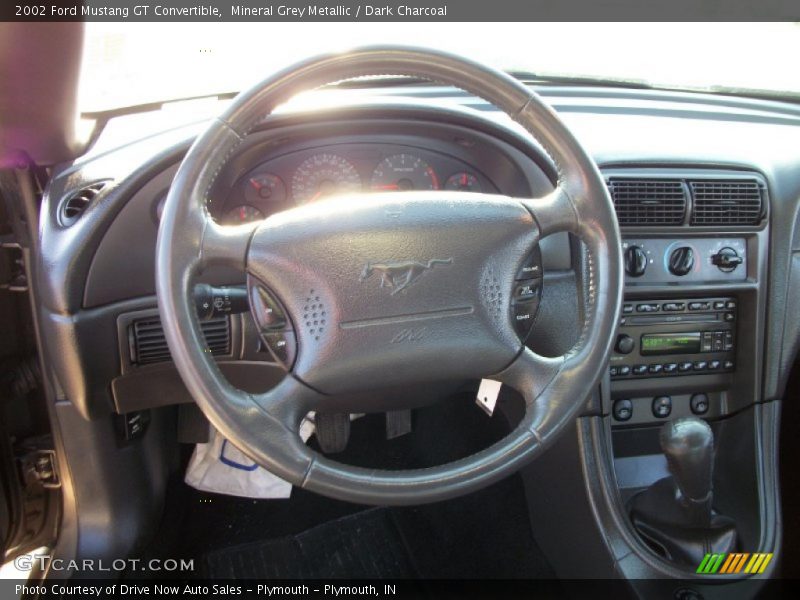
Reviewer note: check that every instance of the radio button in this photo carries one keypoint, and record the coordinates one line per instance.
(613, 371)
(647, 308)
(639, 369)
(713, 365)
(730, 304)
(708, 341)
(729, 316)
(719, 305)
(700, 365)
(662, 407)
(699, 305)
(627, 309)
(728, 364)
(624, 370)
(625, 344)
(670, 367)
(673, 306)
(654, 369)
(685, 366)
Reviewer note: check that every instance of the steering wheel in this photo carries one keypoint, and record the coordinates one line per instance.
(389, 289)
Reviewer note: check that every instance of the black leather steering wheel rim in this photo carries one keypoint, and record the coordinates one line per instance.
(265, 426)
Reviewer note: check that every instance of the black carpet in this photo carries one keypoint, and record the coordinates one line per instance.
(486, 534)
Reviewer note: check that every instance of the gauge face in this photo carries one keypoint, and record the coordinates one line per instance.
(464, 182)
(242, 214)
(404, 172)
(324, 175)
(264, 187)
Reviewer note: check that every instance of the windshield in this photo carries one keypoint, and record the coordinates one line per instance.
(127, 64)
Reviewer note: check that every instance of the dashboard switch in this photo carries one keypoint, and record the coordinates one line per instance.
(726, 260)
(622, 409)
(635, 261)
(681, 261)
(625, 344)
(699, 404)
(662, 407)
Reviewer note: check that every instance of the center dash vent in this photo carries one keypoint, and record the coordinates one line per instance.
(727, 202)
(148, 344)
(648, 201)
(79, 201)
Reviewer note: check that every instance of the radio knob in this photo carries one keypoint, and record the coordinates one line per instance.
(681, 261)
(625, 344)
(726, 259)
(635, 261)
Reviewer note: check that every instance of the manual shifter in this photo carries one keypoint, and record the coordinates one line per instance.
(675, 513)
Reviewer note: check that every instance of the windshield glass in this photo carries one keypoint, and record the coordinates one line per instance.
(126, 64)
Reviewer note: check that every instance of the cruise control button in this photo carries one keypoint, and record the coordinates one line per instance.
(282, 346)
(526, 290)
(532, 267)
(522, 315)
(268, 313)
(662, 407)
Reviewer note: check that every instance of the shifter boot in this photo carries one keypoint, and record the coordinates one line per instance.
(675, 514)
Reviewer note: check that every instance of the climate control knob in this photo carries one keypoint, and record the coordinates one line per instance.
(726, 259)
(681, 261)
(635, 261)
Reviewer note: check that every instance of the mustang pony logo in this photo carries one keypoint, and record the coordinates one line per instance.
(398, 275)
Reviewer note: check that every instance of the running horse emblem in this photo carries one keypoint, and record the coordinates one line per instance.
(398, 275)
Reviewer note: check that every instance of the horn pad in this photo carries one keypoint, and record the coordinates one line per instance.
(389, 289)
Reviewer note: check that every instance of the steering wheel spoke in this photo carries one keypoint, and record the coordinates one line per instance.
(530, 373)
(226, 245)
(553, 212)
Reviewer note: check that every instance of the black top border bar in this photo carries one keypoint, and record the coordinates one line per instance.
(267, 11)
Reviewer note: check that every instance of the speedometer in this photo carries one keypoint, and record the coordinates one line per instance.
(404, 172)
(324, 175)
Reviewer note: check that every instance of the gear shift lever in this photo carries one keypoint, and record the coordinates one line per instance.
(688, 445)
(675, 513)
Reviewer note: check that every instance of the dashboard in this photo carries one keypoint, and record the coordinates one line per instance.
(339, 168)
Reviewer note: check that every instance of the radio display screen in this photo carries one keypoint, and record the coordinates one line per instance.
(670, 343)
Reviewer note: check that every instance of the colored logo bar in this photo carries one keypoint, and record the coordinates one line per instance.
(734, 562)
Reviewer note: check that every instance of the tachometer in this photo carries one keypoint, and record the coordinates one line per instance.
(324, 175)
(465, 182)
(242, 214)
(404, 172)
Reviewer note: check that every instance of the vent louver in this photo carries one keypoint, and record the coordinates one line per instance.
(727, 202)
(648, 201)
(148, 344)
(73, 207)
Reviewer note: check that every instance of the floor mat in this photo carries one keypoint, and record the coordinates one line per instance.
(366, 545)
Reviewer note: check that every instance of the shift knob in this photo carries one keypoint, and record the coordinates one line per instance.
(688, 444)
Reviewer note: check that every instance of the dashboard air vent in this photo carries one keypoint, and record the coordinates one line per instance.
(648, 201)
(148, 344)
(73, 207)
(727, 202)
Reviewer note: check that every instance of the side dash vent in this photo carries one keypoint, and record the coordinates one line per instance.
(148, 344)
(75, 205)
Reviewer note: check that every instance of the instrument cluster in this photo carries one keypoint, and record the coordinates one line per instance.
(310, 175)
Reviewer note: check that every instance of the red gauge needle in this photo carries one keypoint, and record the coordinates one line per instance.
(256, 184)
